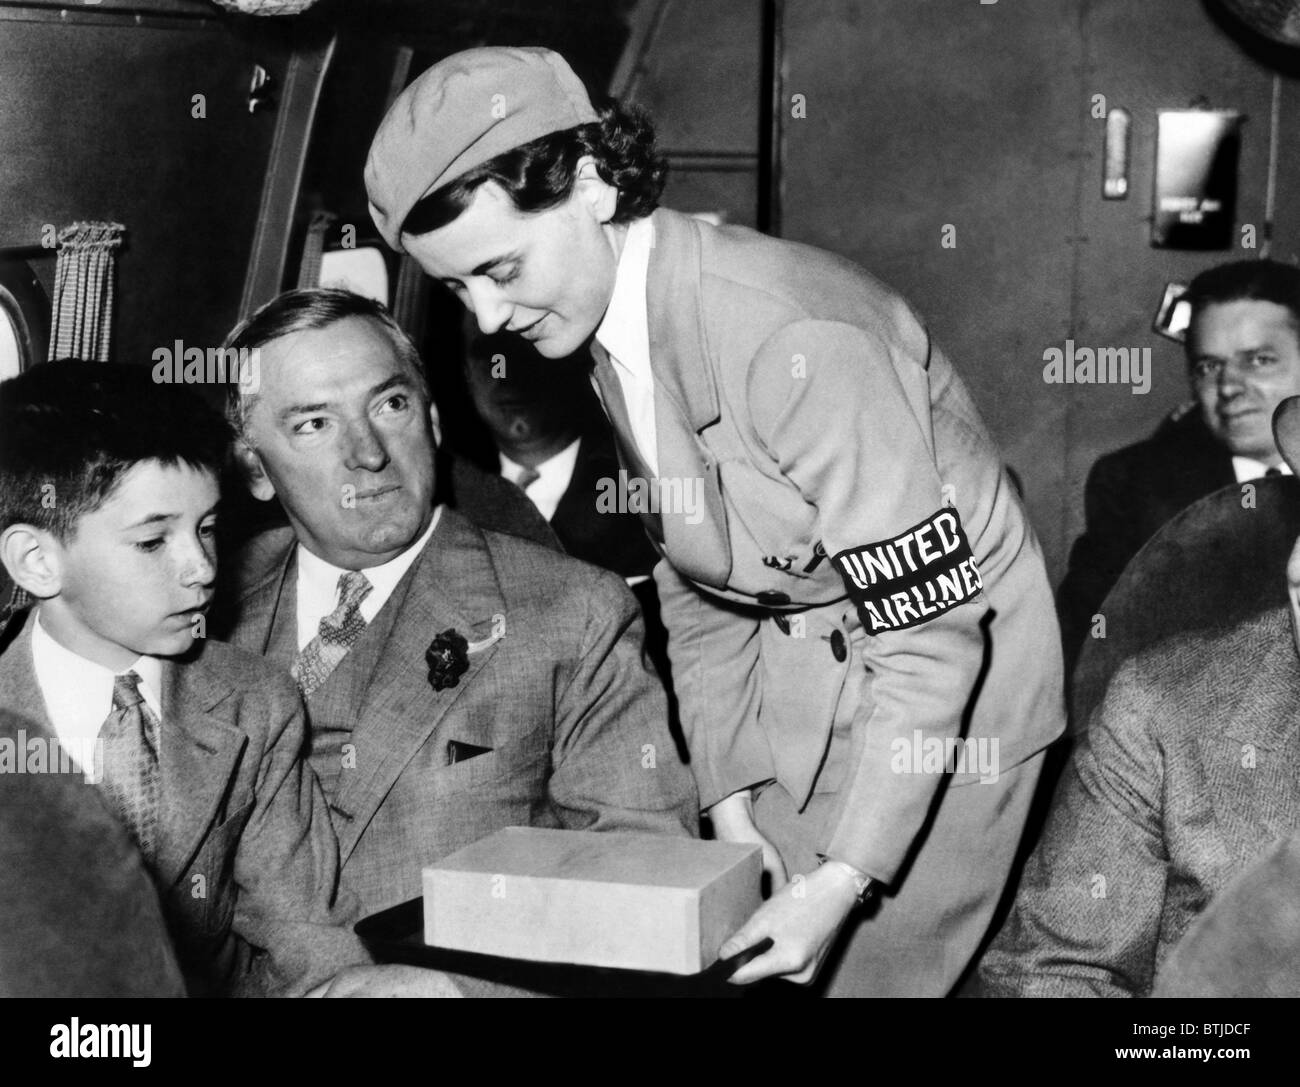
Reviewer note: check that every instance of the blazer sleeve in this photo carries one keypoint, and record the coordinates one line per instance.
(849, 424)
(614, 763)
(1087, 916)
(290, 904)
(714, 653)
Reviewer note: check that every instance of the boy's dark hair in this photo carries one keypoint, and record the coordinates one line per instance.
(1246, 281)
(71, 430)
(540, 174)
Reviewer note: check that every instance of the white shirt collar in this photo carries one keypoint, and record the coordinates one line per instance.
(625, 334)
(1247, 468)
(625, 329)
(553, 477)
(318, 584)
(78, 692)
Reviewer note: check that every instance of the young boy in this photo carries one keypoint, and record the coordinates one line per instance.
(108, 507)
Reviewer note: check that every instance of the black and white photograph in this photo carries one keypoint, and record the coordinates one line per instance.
(753, 501)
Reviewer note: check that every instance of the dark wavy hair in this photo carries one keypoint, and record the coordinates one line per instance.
(540, 174)
(71, 430)
(1246, 281)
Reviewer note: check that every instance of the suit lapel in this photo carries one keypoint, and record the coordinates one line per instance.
(266, 613)
(200, 749)
(452, 585)
(19, 692)
(686, 399)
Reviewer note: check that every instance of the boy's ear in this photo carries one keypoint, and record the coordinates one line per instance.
(30, 557)
(255, 477)
(594, 191)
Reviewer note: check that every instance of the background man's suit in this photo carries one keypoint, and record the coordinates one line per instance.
(557, 722)
(1187, 774)
(808, 402)
(1129, 495)
(246, 837)
(615, 540)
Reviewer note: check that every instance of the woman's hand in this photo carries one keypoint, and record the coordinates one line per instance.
(802, 921)
(733, 821)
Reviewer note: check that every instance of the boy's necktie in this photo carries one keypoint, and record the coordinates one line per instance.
(129, 763)
(338, 631)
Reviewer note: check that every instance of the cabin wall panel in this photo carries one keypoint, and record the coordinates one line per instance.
(96, 122)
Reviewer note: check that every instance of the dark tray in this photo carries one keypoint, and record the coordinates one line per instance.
(396, 935)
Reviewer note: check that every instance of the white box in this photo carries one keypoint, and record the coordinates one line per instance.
(633, 901)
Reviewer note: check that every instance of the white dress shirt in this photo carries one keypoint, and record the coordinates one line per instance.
(553, 477)
(1247, 468)
(78, 694)
(318, 584)
(625, 334)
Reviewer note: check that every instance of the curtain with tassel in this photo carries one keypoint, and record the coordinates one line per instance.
(83, 291)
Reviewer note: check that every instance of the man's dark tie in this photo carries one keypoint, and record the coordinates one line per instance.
(1274, 471)
(129, 763)
(527, 478)
(337, 633)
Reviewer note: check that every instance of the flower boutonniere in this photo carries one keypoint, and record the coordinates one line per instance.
(448, 657)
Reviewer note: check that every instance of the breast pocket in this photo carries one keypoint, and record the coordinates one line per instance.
(522, 758)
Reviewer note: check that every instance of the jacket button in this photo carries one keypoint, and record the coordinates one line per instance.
(838, 647)
(771, 598)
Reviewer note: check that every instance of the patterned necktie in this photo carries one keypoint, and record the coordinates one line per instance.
(129, 763)
(338, 631)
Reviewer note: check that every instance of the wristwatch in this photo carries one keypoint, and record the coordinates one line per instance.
(868, 889)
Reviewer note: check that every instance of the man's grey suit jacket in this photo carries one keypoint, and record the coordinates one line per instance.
(1187, 775)
(557, 722)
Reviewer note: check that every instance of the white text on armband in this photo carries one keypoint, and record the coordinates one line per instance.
(912, 578)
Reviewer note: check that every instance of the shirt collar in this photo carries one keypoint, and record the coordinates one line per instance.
(557, 464)
(320, 579)
(74, 665)
(625, 330)
(1247, 468)
(554, 475)
(78, 692)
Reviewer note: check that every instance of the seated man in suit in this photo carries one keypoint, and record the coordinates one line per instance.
(108, 496)
(1243, 357)
(457, 680)
(556, 445)
(1185, 776)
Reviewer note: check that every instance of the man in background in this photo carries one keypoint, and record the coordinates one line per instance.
(1243, 358)
(555, 444)
(1184, 780)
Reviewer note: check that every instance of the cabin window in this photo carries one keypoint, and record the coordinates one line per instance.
(24, 314)
(14, 342)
